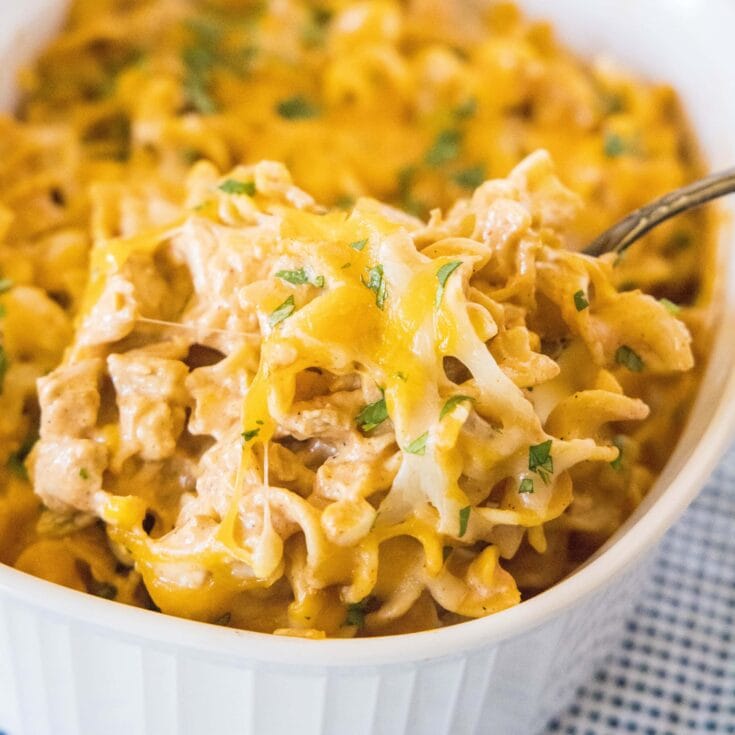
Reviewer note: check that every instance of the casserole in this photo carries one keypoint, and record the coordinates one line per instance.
(74, 664)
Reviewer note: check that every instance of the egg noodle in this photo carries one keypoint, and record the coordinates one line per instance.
(296, 333)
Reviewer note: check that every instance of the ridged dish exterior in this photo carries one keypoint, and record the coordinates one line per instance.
(62, 677)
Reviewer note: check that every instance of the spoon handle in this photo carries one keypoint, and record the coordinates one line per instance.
(623, 234)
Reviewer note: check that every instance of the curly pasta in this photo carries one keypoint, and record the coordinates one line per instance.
(352, 417)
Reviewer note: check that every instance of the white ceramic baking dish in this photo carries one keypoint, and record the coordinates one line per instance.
(72, 663)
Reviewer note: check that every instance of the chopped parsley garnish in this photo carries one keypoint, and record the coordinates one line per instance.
(358, 244)
(232, 186)
(418, 445)
(372, 415)
(680, 240)
(102, 589)
(83, 473)
(612, 103)
(540, 460)
(450, 404)
(355, 614)
(580, 301)
(628, 357)
(199, 61)
(406, 178)
(251, 434)
(464, 518)
(470, 178)
(617, 463)
(444, 149)
(314, 32)
(300, 277)
(259, 422)
(4, 364)
(344, 266)
(297, 107)
(467, 109)
(282, 312)
(401, 376)
(376, 283)
(16, 459)
(190, 155)
(670, 306)
(223, 619)
(526, 485)
(615, 145)
(344, 202)
(5, 285)
(442, 275)
(207, 52)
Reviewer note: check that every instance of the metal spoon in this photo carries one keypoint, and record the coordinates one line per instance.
(623, 234)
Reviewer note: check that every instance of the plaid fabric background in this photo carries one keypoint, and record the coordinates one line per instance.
(674, 673)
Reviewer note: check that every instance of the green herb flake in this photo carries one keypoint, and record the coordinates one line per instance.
(232, 186)
(464, 518)
(418, 445)
(445, 148)
(617, 463)
(580, 301)
(442, 276)
(344, 266)
(612, 103)
(540, 460)
(282, 312)
(249, 435)
(16, 459)
(466, 109)
(198, 62)
(526, 485)
(680, 240)
(670, 306)
(629, 358)
(372, 415)
(344, 202)
(376, 283)
(470, 178)
(314, 31)
(358, 244)
(355, 614)
(5, 285)
(300, 277)
(401, 376)
(615, 145)
(84, 473)
(260, 422)
(4, 365)
(297, 107)
(3, 311)
(451, 403)
(405, 179)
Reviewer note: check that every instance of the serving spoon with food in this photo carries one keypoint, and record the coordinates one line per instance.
(623, 234)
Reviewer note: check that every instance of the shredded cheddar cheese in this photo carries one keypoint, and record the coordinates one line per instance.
(264, 398)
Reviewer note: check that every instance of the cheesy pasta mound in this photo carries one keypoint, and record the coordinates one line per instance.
(296, 336)
(267, 400)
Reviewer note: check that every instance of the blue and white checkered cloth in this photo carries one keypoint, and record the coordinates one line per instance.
(674, 672)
